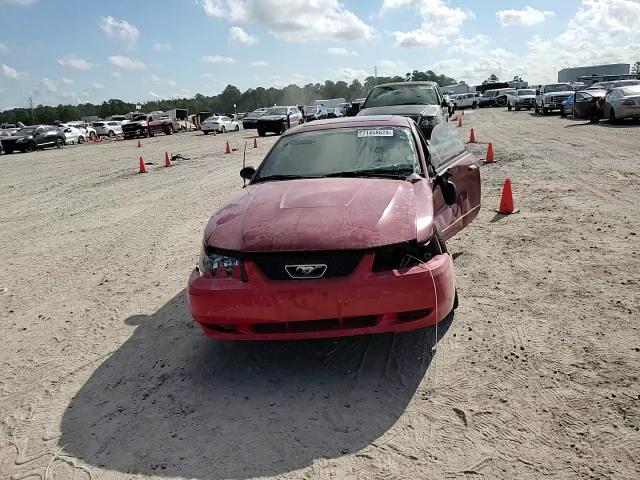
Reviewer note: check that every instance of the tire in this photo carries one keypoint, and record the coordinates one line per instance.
(223, 129)
(537, 110)
(206, 132)
(261, 133)
(111, 134)
(518, 108)
(509, 107)
(80, 140)
(59, 143)
(544, 110)
(456, 303)
(8, 151)
(171, 130)
(563, 114)
(31, 147)
(237, 129)
(474, 106)
(612, 116)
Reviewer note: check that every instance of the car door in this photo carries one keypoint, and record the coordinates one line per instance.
(582, 104)
(41, 137)
(451, 162)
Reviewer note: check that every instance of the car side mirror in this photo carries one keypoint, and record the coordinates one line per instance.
(537, 92)
(448, 191)
(247, 173)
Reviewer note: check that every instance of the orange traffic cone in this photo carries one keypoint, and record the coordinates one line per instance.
(139, 144)
(472, 137)
(143, 169)
(489, 158)
(255, 142)
(459, 121)
(462, 113)
(228, 149)
(506, 202)
(167, 161)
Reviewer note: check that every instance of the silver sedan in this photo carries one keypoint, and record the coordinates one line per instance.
(623, 102)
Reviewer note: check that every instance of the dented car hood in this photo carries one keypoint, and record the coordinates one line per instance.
(320, 214)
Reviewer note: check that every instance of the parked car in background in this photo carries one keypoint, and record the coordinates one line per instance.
(251, 119)
(220, 124)
(502, 98)
(314, 112)
(522, 98)
(608, 85)
(368, 258)
(279, 119)
(550, 97)
(107, 128)
(32, 138)
(582, 104)
(623, 102)
(87, 130)
(423, 102)
(466, 100)
(451, 107)
(72, 134)
(334, 112)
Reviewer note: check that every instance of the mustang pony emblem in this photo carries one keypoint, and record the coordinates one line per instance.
(306, 271)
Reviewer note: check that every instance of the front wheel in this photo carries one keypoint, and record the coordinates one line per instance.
(537, 110)
(517, 107)
(206, 132)
(80, 140)
(31, 147)
(509, 107)
(59, 143)
(237, 129)
(563, 114)
(111, 134)
(261, 133)
(612, 116)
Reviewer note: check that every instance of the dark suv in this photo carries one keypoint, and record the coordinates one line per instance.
(28, 139)
(421, 101)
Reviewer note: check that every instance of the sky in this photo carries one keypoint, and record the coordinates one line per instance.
(76, 51)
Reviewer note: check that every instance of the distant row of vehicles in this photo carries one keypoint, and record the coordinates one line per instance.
(279, 118)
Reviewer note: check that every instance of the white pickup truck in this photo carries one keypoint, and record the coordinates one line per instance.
(550, 97)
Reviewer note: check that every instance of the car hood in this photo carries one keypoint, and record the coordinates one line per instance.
(272, 117)
(320, 214)
(424, 110)
(526, 97)
(557, 94)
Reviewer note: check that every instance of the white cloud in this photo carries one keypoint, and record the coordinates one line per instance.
(66, 81)
(4, 48)
(11, 73)
(46, 86)
(474, 45)
(389, 68)
(293, 20)
(97, 86)
(75, 63)
(161, 47)
(340, 51)
(154, 94)
(348, 73)
(260, 63)
(162, 81)
(116, 75)
(121, 30)
(208, 75)
(526, 17)
(19, 3)
(126, 63)
(217, 59)
(69, 97)
(237, 34)
(439, 21)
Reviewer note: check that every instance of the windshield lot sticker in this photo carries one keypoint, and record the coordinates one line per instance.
(375, 133)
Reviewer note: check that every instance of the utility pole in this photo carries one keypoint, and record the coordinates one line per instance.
(33, 115)
(375, 74)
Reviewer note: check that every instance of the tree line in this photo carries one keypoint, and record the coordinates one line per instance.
(224, 102)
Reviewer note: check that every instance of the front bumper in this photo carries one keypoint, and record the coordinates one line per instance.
(363, 302)
(247, 124)
(271, 126)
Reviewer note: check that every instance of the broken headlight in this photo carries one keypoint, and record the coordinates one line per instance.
(211, 258)
(404, 255)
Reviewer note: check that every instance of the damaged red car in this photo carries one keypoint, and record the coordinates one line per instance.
(341, 231)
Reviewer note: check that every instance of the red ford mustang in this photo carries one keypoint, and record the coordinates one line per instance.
(341, 231)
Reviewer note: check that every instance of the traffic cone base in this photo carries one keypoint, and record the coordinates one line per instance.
(143, 168)
(489, 158)
(506, 201)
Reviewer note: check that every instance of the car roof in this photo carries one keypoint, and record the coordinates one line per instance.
(393, 84)
(357, 121)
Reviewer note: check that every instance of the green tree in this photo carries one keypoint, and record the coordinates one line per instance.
(635, 70)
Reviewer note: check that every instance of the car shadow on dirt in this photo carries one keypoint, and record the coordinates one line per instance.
(170, 403)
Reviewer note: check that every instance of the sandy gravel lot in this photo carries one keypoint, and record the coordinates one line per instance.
(104, 376)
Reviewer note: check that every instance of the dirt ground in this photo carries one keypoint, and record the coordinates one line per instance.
(103, 374)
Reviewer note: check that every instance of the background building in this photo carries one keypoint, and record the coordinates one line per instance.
(573, 74)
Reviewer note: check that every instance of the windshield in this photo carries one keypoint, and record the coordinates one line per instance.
(277, 111)
(26, 131)
(526, 92)
(559, 87)
(633, 90)
(343, 151)
(490, 93)
(212, 119)
(257, 112)
(386, 96)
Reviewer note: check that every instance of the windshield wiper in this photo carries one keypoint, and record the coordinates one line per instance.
(269, 178)
(395, 171)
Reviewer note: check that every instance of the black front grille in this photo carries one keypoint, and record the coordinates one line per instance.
(339, 264)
